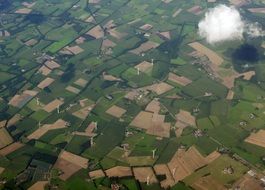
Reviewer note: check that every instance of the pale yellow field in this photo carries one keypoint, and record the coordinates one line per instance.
(5, 138)
(153, 123)
(153, 106)
(97, 32)
(23, 11)
(11, 148)
(44, 70)
(162, 169)
(52, 64)
(145, 47)
(206, 183)
(179, 79)
(119, 171)
(257, 138)
(69, 164)
(257, 10)
(83, 113)
(186, 118)
(45, 83)
(142, 173)
(39, 185)
(116, 111)
(213, 57)
(59, 124)
(144, 66)
(53, 105)
(96, 174)
(72, 89)
(159, 88)
(81, 82)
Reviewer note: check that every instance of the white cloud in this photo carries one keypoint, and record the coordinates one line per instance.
(223, 23)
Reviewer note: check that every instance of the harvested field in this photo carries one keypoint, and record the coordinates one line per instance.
(167, 1)
(30, 92)
(90, 20)
(73, 89)
(213, 57)
(74, 49)
(165, 35)
(160, 129)
(11, 148)
(3, 123)
(75, 159)
(153, 106)
(179, 79)
(44, 70)
(96, 32)
(116, 34)
(53, 105)
(81, 82)
(176, 13)
(28, 5)
(83, 102)
(107, 44)
(132, 94)
(116, 111)
(239, 3)
(110, 77)
(248, 75)
(96, 174)
(230, 95)
(1, 170)
(23, 11)
(134, 21)
(185, 117)
(146, 27)
(195, 10)
(31, 42)
(248, 182)
(153, 123)
(5, 138)
(59, 124)
(20, 100)
(257, 10)
(119, 171)
(213, 156)
(144, 66)
(91, 128)
(94, 1)
(184, 163)
(213, 66)
(162, 169)
(45, 83)
(144, 173)
(109, 25)
(206, 183)
(142, 120)
(141, 160)
(67, 168)
(80, 40)
(144, 47)
(180, 127)
(257, 138)
(159, 88)
(69, 164)
(39, 185)
(14, 120)
(83, 113)
(52, 64)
